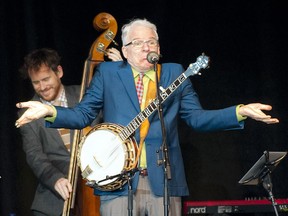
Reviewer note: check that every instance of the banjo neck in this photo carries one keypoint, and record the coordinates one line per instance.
(193, 69)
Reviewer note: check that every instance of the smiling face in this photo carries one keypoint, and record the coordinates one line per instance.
(46, 82)
(137, 55)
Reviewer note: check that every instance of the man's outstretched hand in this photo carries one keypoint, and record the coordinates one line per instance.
(255, 111)
(35, 111)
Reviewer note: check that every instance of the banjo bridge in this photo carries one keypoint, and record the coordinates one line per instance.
(86, 172)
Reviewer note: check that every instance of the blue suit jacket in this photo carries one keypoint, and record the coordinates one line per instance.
(112, 89)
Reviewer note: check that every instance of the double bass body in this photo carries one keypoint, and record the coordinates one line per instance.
(82, 201)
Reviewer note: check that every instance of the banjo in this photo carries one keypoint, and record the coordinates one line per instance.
(108, 150)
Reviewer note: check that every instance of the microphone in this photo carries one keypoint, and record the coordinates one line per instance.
(153, 57)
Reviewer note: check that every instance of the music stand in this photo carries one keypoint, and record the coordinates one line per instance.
(260, 173)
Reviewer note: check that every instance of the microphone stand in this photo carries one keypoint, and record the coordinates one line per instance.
(164, 147)
(124, 175)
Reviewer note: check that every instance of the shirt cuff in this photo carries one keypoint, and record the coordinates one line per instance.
(53, 117)
(240, 117)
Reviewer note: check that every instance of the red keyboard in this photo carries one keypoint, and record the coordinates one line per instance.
(233, 206)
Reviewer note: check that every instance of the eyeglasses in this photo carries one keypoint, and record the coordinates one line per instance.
(139, 43)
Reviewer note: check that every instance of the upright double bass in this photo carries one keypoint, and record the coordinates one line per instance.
(82, 201)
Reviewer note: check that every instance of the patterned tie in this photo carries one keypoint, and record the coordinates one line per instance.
(140, 87)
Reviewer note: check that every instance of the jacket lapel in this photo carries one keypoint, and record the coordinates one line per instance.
(126, 76)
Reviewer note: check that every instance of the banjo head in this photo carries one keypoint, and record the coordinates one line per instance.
(103, 156)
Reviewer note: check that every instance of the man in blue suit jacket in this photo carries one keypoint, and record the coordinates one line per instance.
(113, 91)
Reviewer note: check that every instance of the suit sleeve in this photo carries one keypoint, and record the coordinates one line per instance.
(201, 119)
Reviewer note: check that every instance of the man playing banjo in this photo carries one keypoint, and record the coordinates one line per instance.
(113, 90)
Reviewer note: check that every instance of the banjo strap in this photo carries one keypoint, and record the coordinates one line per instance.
(151, 95)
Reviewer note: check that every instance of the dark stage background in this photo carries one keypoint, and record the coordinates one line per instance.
(247, 43)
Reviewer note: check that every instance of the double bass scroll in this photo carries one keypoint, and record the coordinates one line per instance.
(103, 21)
(87, 203)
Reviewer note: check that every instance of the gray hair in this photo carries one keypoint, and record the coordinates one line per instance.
(136, 22)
